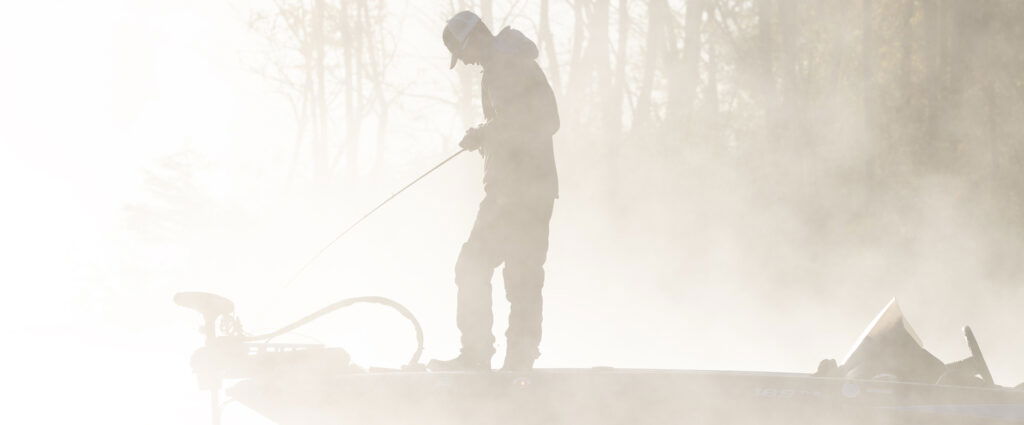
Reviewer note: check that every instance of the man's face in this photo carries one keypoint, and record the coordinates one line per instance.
(475, 48)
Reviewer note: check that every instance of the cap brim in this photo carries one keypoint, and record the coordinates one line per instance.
(455, 59)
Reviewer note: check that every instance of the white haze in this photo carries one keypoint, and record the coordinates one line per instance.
(691, 269)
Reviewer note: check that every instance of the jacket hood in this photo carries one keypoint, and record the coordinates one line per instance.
(512, 44)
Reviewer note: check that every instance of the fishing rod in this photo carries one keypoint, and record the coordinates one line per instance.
(360, 220)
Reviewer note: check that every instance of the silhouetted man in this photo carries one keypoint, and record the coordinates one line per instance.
(520, 184)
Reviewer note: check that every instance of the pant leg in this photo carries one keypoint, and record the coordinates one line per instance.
(528, 223)
(479, 256)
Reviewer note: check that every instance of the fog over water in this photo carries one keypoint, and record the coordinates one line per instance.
(748, 202)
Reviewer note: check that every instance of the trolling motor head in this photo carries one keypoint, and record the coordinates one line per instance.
(211, 306)
(207, 304)
(212, 361)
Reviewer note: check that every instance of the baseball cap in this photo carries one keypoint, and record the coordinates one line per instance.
(457, 31)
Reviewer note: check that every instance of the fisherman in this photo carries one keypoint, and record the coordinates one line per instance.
(520, 183)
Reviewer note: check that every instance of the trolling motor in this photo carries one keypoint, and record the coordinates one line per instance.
(211, 307)
(227, 355)
(230, 353)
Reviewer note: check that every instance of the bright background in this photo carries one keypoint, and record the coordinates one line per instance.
(106, 103)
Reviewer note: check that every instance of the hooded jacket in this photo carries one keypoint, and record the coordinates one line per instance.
(521, 117)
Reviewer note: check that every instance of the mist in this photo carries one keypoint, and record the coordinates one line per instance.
(744, 184)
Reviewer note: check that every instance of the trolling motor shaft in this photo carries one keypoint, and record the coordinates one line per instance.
(211, 307)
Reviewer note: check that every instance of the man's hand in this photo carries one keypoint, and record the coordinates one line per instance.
(472, 140)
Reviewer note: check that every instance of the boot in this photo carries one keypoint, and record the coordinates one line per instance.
(460, 363)
(518, 363)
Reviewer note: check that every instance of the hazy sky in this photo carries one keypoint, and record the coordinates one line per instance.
(96, 93)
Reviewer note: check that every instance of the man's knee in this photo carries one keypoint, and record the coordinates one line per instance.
(523, 282)
(473, 267)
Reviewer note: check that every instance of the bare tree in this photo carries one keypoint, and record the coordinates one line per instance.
(767, 87)
(654, 49)
(318, 51)
(683, 71)
(546, 43)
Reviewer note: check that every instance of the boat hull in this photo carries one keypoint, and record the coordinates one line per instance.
(619, 396)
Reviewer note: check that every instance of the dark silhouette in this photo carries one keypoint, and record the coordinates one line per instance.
(521, 185)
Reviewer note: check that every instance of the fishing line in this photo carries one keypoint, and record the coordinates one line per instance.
(360, 220)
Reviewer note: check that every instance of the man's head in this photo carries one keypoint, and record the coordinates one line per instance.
(466, 37)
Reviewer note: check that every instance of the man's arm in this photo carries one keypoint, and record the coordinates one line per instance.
(521, 106)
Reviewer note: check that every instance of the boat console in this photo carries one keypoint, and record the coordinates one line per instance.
(889, 349)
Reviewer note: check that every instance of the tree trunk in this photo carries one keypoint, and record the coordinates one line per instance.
(547, 45)
(643, 114)
(790, 99)
(967, 19)
(598, 55)
(907, 54)
(487, 14)
(319, 150)
(614, 114)
(932, 72)
(614, 110)
(765, 64)
(711, 101)
(579, 69)
(869, 50)
(684, 73)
